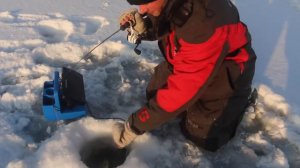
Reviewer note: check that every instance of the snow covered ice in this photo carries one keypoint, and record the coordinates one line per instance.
(39, 37)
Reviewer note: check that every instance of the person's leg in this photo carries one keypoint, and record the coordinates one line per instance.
(212, 120)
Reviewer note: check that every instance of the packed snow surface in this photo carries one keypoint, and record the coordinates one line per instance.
(39, 37)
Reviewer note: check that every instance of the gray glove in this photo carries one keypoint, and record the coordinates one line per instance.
(137, 24)
(123, 134)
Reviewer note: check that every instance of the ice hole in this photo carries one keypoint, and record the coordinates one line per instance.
(101, 152)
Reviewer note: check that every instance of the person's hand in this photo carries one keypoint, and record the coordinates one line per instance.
(122, 134)
(136, 24)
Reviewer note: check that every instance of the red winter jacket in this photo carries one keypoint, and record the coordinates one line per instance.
(195, 50)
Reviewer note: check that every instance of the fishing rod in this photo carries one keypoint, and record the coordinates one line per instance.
(89, 54)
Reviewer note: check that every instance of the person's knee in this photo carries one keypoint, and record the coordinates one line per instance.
(207, 138)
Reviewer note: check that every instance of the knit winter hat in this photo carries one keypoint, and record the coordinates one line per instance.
(138, 2)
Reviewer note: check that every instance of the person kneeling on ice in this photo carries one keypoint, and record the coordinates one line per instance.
(207, 73)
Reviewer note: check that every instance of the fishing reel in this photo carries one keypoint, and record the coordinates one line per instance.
(133, 36)
(137, 42)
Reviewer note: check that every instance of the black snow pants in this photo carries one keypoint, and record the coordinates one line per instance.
(212, 121)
